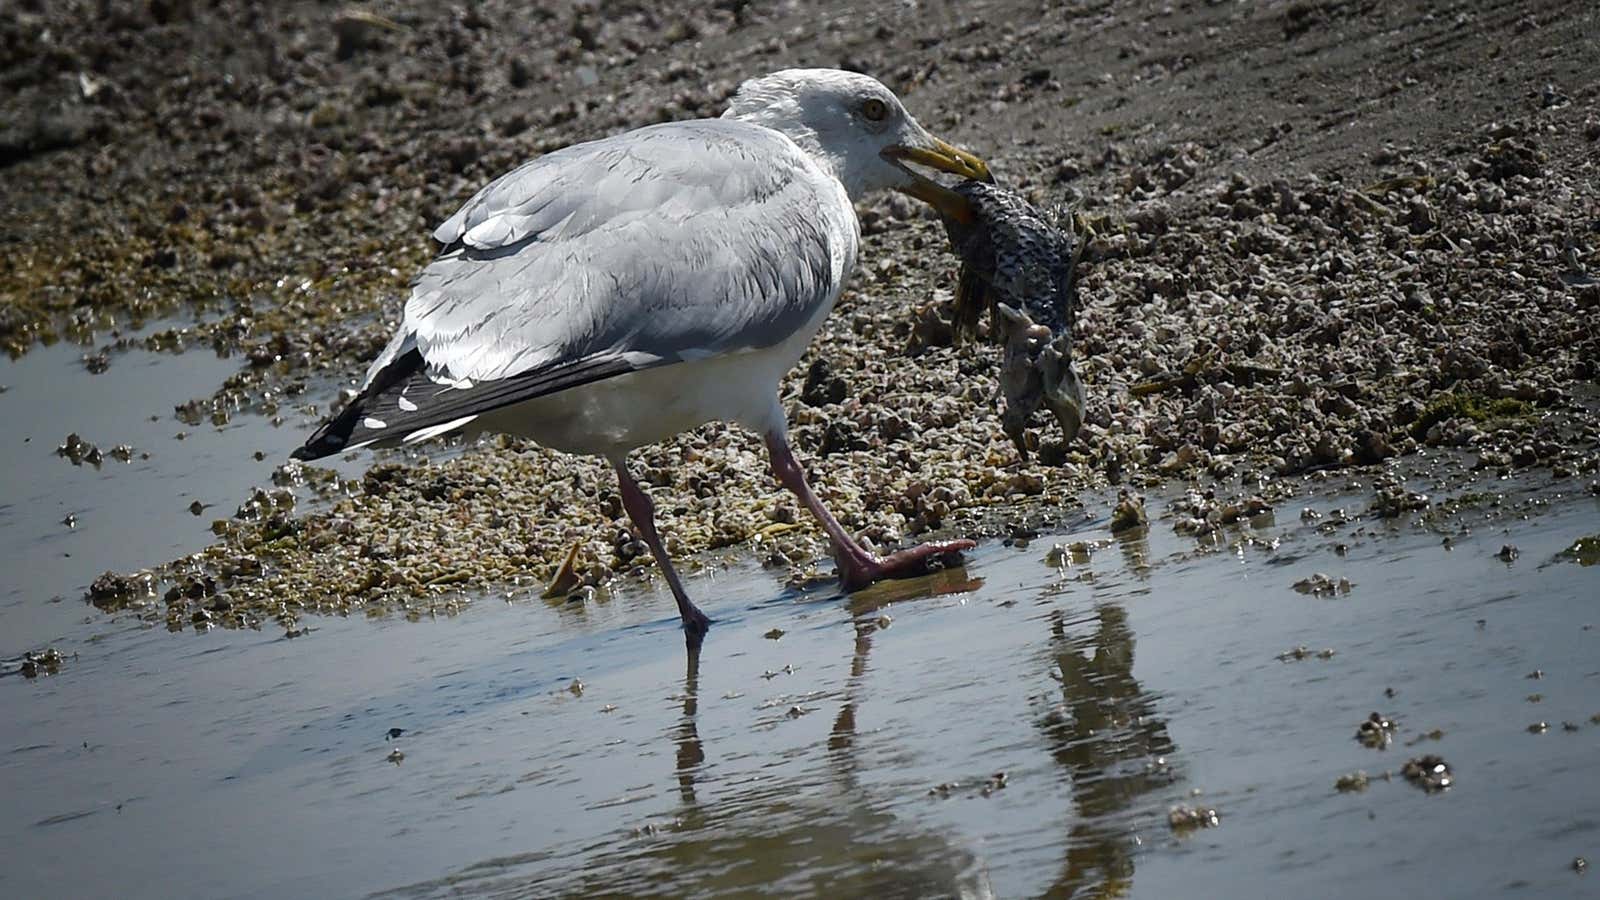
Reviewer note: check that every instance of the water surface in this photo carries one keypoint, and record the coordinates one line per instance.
(819, 744)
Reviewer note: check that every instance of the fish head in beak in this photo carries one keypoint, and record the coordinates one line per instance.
(923, 149)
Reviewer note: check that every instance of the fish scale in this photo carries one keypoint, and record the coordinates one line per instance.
(1018, 253)
(1018, 262)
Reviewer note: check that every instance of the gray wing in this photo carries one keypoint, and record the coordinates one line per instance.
(671, 242)
(676, 240)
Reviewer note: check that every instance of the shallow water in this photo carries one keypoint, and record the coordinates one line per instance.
(125, 514)
(856, 752)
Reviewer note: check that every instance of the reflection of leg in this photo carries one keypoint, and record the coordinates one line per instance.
(857, 567)
(843, 736)
(690, 752)
(643, 514)
(1104, 720)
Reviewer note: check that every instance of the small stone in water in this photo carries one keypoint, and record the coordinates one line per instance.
(1431, 773)
(79, 451)
(1321, 585)
(45, 662)
(1188, 818)
(1304, 652)
(1375, 732)
(1129, 513)
(1355, 781)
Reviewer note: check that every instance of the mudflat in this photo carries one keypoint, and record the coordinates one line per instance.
(1341, 276)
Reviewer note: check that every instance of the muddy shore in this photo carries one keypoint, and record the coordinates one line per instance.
(1325, 235)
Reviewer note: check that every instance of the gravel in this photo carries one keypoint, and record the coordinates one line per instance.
(1276, 283)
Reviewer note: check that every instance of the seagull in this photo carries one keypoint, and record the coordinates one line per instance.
(615, 293)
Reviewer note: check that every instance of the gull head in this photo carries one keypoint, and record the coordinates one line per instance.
(859, 130)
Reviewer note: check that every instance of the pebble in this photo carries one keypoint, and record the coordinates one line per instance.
(1376, 731)
(1129, 513)
(1322, 585)
(78, 451)
(41, 662)
(1355, 781)
(1183, 818)
(1430, 772)
(1303, 652)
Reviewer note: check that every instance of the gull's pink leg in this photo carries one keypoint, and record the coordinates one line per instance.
(857, 567)
(643, 514)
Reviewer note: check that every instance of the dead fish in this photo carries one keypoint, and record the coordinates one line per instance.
(1018, 262)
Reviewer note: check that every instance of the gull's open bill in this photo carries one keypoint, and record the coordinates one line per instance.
(945, 158)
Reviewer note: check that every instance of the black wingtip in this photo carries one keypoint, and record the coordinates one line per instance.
(323, 443)
(332, 436)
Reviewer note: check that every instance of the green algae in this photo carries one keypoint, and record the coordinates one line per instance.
(1466, 405)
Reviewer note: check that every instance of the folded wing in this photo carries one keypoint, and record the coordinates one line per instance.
(672, 242)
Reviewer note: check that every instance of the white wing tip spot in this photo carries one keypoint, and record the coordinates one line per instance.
(406, 405)
(423, 434)
(373, 424)
(445, 380)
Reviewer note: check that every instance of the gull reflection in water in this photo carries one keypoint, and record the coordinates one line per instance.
(1104, 734)
(808, 827)
(823, 833)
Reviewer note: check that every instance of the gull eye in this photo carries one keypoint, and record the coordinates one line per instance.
(875, 110)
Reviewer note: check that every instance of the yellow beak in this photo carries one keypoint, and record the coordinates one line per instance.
(945, 158)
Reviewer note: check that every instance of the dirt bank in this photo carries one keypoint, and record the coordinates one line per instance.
(1326, 234)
